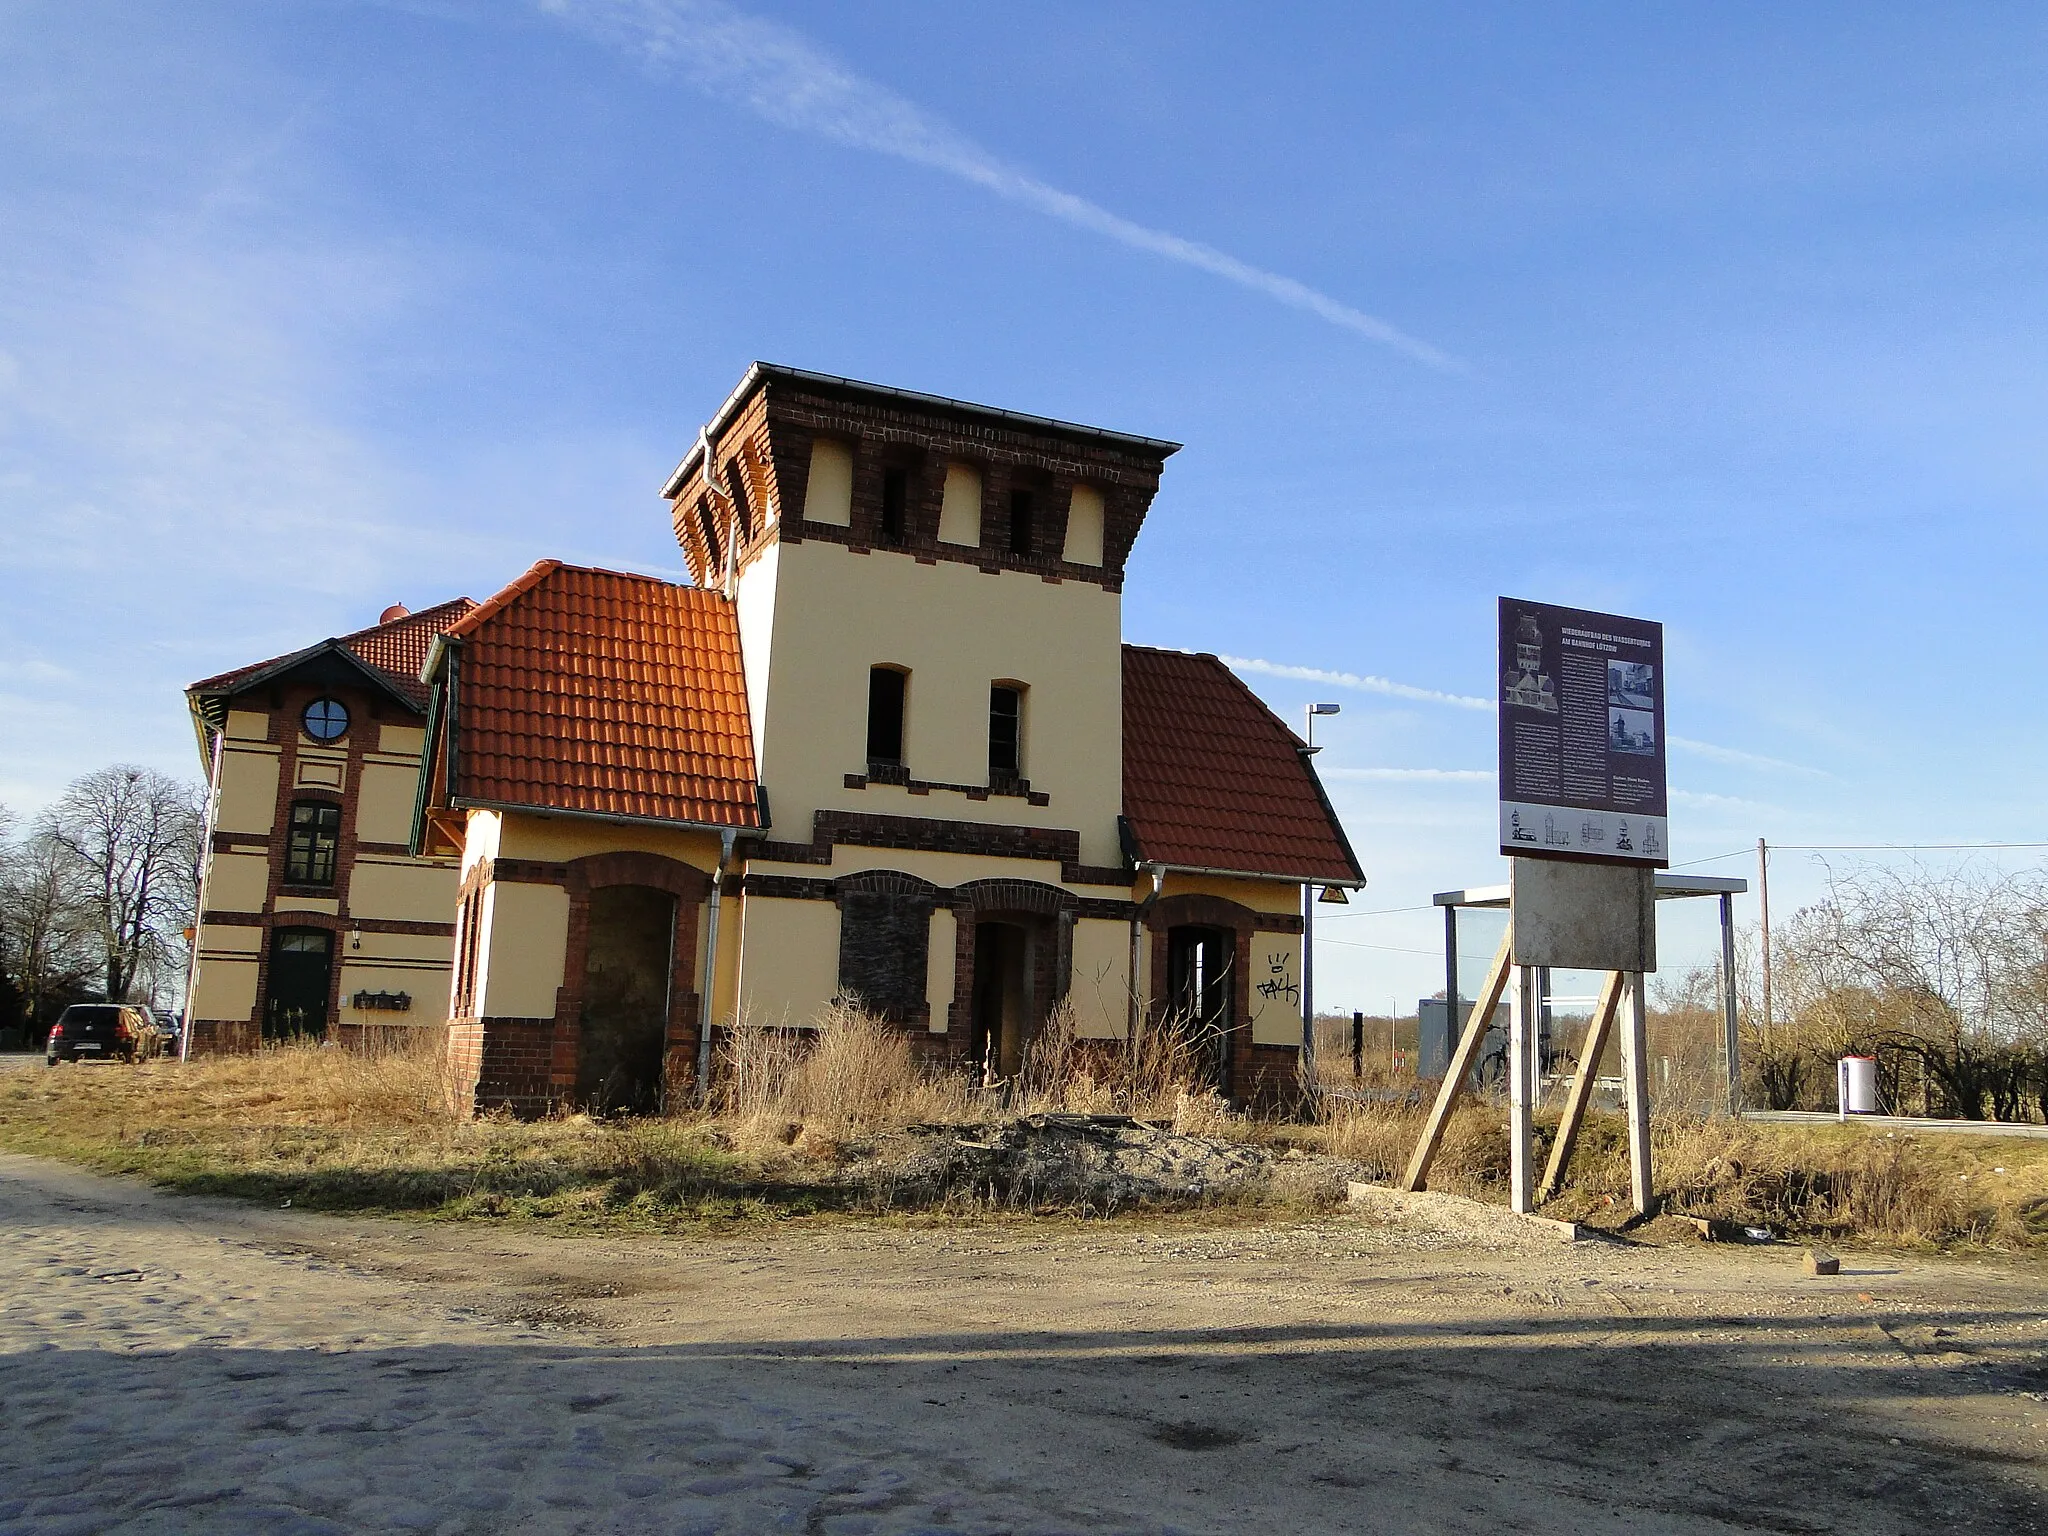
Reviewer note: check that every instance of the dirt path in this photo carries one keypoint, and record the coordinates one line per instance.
(182, 1365)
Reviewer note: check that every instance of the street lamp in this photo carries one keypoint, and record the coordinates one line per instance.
(1308, 925)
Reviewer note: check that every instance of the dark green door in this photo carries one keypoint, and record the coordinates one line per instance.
(301, 968)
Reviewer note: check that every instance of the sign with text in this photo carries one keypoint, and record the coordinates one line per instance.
(1581, 735)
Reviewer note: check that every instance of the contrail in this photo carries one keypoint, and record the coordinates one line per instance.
(1430, 775)
(1367, 683)
(783, 76)
(1363, 683)
(1738, 759)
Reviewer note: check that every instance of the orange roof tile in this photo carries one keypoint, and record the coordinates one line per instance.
(1212, 779)
(605, 694)
(395, 651)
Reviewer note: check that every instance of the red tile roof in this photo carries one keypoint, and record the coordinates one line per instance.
(395, 651)
(604, 694)
(1213, 780)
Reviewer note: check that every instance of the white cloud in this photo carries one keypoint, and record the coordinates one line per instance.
(787, 79)
(1427, 775)
(1360, 682)
(1737, 759)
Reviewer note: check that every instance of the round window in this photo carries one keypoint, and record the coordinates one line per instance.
(326, 719)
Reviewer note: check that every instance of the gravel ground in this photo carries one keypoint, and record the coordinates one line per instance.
(173, 1364)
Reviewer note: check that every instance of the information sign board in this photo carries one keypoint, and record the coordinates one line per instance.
(1582, 735)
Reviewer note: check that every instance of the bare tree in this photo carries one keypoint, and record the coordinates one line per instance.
(131, 836)
(1942, 974)
(47, 937)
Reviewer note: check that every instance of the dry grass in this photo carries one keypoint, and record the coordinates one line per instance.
(794, 1112)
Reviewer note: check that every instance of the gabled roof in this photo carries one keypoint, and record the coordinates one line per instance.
(597, 693)
(389, 656)
(1213, 780)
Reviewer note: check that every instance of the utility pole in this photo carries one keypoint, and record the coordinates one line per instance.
(1308, 926)
(1763, 892)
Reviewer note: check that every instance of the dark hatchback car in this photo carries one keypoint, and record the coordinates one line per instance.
(102, 1031)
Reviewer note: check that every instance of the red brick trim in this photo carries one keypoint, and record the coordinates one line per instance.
(925, 834)
(529, 1066)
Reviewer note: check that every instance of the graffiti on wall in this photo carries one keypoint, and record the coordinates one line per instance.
(1274, 982)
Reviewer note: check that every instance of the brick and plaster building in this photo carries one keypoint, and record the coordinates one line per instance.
(315, 918)
(889, 745)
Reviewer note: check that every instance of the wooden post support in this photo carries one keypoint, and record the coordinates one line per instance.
(1635, 1072)
(1524, 1013)
(1460, 1067)
(1597, 1029)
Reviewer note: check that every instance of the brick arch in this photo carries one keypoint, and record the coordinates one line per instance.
(691, 887)
(1209, 911)
(1240, 922)
(1013, 896)
(886, 882)
(656, 870)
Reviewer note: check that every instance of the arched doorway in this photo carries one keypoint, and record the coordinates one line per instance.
(1201, 985)
(626, 977)
(301, 973)
(1002, 1017)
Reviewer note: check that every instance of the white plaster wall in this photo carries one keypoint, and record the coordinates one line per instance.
(1084, 527)
(384, 798)
(1275, 1006)
(226, 991)
(403, 890)
(483, 835)
(525, 943)
(828, 494)
(1100, 986)
(960, 511)
(248, 790)
(958, 629)
(789, 959)
(939, 968)
(237, 882)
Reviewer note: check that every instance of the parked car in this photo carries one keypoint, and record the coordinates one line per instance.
(171, 1027)
(102, 1031)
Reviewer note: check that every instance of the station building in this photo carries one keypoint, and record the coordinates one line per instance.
(315, 918)
(888, 746)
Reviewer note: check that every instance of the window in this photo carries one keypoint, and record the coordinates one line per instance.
(1084, 527)
(1005, 732)
(707, 520)
(736, 488)
(468, 929)
(895, 504)
(312, 842)
(326, 719)
(960, 514)
(828, 491)
(885, 925)
(886, 688)
(1021, 509)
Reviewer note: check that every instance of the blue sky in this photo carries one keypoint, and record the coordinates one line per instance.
(1727, 316)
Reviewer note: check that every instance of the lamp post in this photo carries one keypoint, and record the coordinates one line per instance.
(1308, 925)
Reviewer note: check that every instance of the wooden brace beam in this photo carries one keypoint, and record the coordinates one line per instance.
(1461, 1064)
(1597, 1030)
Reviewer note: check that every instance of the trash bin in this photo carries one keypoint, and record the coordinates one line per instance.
(1856, 1086)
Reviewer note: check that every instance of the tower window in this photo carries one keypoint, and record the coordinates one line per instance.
(1021, 510)
(707, 520)
(312, 842)
(886, 689)
(736, 488)
(326, 720)
(895, 504)
(1005, 732)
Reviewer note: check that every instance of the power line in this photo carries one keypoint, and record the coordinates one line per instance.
(1883, 847)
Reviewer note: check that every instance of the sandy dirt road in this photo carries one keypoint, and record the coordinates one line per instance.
(171, 1364)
